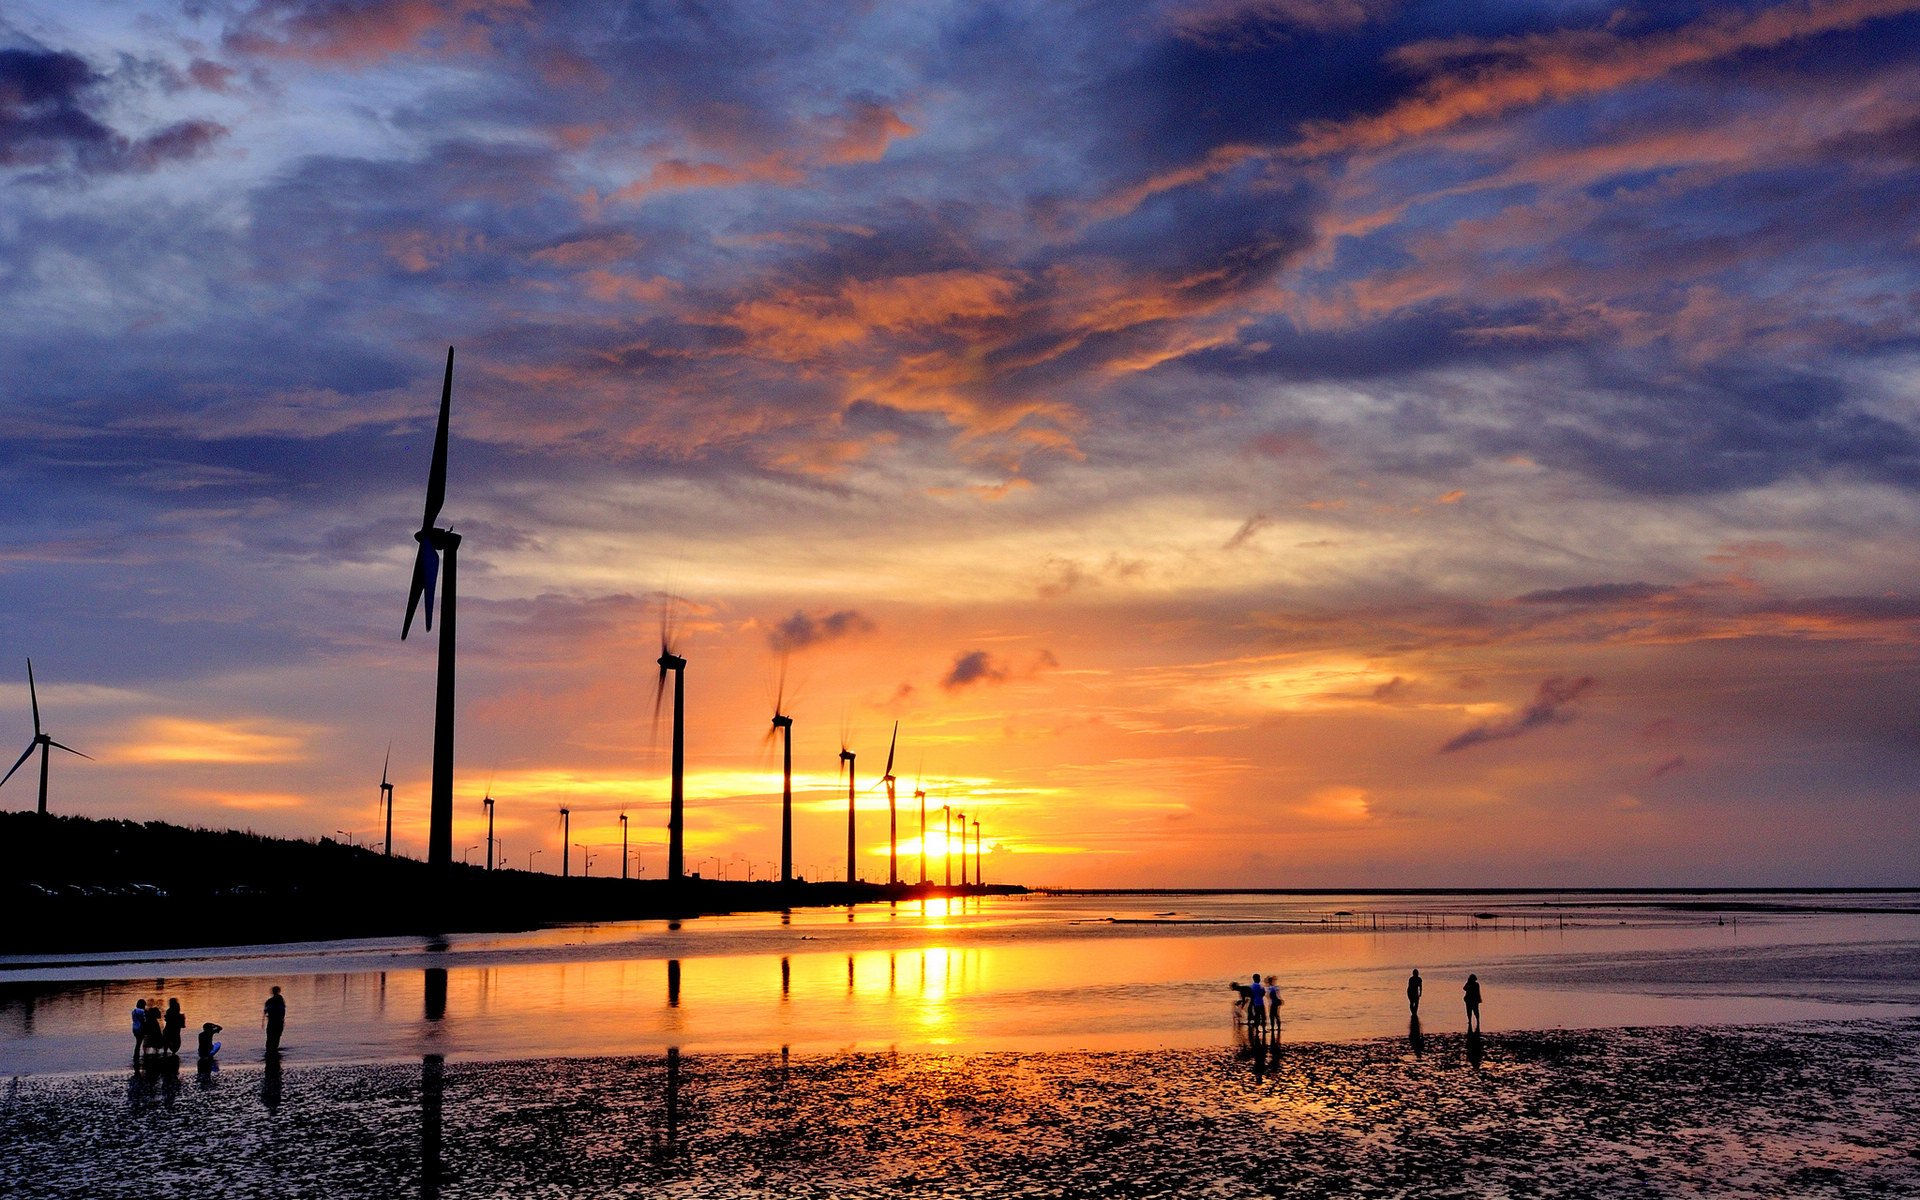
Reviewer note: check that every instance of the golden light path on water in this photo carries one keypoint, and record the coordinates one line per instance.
(1043, 973)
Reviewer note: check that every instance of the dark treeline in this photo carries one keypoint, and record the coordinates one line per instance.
(76, 884)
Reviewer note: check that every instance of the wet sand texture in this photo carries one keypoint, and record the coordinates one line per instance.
(1806, 1110)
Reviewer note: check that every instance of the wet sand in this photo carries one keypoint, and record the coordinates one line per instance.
(1816, 1109)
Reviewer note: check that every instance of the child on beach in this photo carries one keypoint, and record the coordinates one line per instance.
(139, 1025)
(1273, 1004)
(209, 1047)
(1472, 991)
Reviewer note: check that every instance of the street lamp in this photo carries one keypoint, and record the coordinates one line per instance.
(587, 856)
(530, 855)
(467, 851)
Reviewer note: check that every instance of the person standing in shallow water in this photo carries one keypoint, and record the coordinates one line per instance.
(1256, 1005)
(139, 1025)
(1415, 986)
(275, 1012)
(1472, 991)
(173, 1023)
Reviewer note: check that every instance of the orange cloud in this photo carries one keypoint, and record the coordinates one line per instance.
(184, 740)
(363, 33)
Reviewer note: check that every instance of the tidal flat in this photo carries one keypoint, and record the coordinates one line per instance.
(1805, 1109)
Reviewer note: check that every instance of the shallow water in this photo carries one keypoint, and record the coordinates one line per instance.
(1021, 973)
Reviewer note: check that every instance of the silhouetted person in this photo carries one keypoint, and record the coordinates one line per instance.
(208, 1047)
(1239, 1002)
(1256, 1005)
(174, 1023)
(1472, 991)
(1415, 986)
(275, 1012)
(1273, 1005)
(139, 1025)
(156, 1030)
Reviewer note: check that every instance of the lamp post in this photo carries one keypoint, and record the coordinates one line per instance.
(530, 855)
(586, 857)
(466, 852)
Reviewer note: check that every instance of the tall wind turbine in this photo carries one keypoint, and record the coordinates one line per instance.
(893, 819)
(434, 543)
(623, 845)
(920, 794)
(386, 796)
(566, 841)
(979, 871)
(487, 799)
(946, 842)
(676, 809)
(846, 759)
(783, 725)
(963, 848)
(41, 741)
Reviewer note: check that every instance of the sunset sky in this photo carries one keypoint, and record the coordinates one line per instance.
(1272, 442)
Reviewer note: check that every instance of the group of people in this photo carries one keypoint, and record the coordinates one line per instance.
(1417, 986)
(1258, 1003)
(158, 1032)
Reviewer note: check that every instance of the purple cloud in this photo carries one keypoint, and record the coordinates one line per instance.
(1550, 707)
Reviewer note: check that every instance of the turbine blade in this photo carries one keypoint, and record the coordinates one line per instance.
(385, 764)
(890, 746)
(430, 559)
(34, 698)
(16, 766)
(437, 474)
(68, 749)
(417, 589)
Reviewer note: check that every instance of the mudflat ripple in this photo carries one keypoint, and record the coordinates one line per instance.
(1816, 1109)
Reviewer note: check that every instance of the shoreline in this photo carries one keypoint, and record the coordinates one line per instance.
(1804, 1108)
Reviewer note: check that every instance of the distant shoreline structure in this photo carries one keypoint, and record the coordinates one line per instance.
(81, 885)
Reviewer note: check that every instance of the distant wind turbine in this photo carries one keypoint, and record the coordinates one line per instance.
(963, 848)
(487, 799)
(676, 809)
(783, 725)
(920, 794)
(41, 741)
(893, 820)
(566, 841)
(846, 760)
(386, 797)
(946, 841)
(435, 542)
(979, 871)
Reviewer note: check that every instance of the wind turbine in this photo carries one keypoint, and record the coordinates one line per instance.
(434, 543)
(623, 845)
(920, 794)
(946, 841)
(676, 810)
(487, 799)
(566, 841)
(783, 724)
(846, 759)
(979, 875)
(41, 740)
(386, 797)
(893, 820)
(963, 848)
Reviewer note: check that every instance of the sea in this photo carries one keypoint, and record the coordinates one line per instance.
(1039, 972)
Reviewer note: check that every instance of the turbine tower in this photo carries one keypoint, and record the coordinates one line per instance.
(676, 808)
(920, 794)
(427, 566)
(566, 841)
(783, 725)
(946, 841)
(488, 801)
(386, 797)
(979, 871)
(963, 848)
(893, 819)
(41, 741)
(623, 845)
(846, 759)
